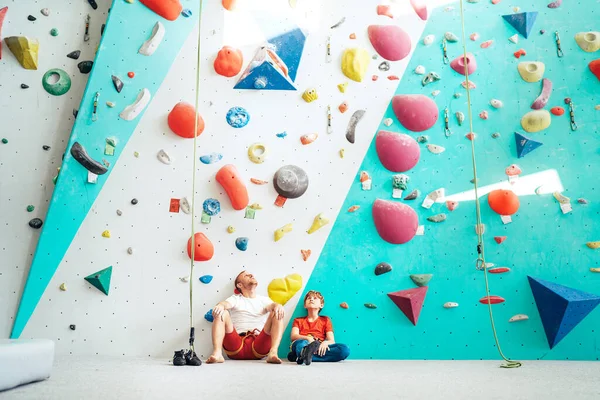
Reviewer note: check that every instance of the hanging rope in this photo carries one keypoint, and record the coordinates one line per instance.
(480, 264)
(193, 247)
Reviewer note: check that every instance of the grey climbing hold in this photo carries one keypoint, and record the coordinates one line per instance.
(437, 218)
(496, 135)
(413, 195)
(430, 78)
(384, 66)
(119, 213)
(354, 120)
(290, 181)
(134, 201)
(45, 12)
(130, 250)
(83, 158)
(74, 54)
(85, 66)
(382, 268)
(31, 18)
(36, 223)
(24, 86)
(460, 118)
(421, 279)
(422, 139)
(118, 83)
(46, 147)
(72, 327)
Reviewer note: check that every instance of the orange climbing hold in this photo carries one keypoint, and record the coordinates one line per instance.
(203, 248)
(229, 4)
(343, 107)
(168, 9)
(557, 110)
(595, 68)
(258, 181)
(393, 78)
(308, 139)
(385, 10)
(499, 239)
(229, 61)
(181, 120)
(353, 208)
(232, 183)
(305, 254)
(504, 202)
(344, 305)
(352, 35)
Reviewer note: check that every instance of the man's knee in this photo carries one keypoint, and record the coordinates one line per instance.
(344, 351)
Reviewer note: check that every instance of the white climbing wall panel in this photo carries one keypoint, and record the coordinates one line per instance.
(146, 313)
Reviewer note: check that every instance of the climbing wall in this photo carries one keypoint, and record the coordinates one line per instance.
(146, 311)
(541, 241)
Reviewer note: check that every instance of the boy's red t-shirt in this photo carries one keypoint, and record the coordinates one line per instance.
(318, 328)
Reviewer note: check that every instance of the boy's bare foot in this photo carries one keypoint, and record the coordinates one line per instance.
(273, 359)
(215, 359)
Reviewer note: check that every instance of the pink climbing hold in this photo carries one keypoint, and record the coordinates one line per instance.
(385, 10)
(397, 152)
(494, 2)
(415, 112)
(474, 36)
(458, 64)
(544, 96)
(499, 239)
(486, 44)
(483, 115)
(420, 8)
(395, 222)
(410, 302)
(595, 68)
(390, 41)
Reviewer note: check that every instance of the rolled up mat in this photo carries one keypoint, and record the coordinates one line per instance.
(24, 361)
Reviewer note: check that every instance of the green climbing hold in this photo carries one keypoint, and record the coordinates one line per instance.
(370, 305)
(30, 208)
(61, 86)
(4, 140)
(101, 280)
(54, 32)
(421, 279)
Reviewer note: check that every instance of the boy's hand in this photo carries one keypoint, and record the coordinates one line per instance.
(322, 349)
(310, 339)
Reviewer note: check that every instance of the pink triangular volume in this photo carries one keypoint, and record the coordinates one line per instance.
(410, 301)
(420, 8)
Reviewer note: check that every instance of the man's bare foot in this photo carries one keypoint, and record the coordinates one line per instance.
(273, 359)
(215, 359)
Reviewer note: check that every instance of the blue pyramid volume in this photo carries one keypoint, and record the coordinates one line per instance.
(525, 145)
(561, 308)
(522, 22)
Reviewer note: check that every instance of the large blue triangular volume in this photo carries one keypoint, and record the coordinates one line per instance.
(522, 22)
(274, 80)
(561, 308)
(525, 145)
(289, 48)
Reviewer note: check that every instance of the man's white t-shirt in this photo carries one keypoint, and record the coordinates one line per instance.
(248, 313)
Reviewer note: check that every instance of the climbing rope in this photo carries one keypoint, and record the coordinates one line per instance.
(193, 247)
(480, 263)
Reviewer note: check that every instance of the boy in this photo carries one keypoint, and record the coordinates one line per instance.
(312, 336)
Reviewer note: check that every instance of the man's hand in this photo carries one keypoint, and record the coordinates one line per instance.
(218, 311)
(278, 311)
(322, 349)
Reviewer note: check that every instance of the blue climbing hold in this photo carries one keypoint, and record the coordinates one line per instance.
(522, 22)
(208, 316)
(561, 308)
(211, 207)
(206, 279)
(241, 243)
(281, 135)
(260, 83)
(211, 158)
(238, 117)
(186, 13)
(525, 145)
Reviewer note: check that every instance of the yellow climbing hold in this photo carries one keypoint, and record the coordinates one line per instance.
(342, 87)
(281, 290)
(63, 287)
(279, 233)
(342, 151)
(319, 222)
(230, 229)
(25, 50)
(531, 71)
(355, 63)
(310, 95)
(106, 234)
(562, 199)
(535, 121)
(593, 245)
(595, 269)
(257, 153)
(255, 206)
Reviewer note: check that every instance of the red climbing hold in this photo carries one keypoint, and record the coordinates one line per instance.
(131, 74)
(492, 300)
(229, 178)
(3, 11)
(557, 110)
(498, 270)
(181, 120)
(595, 68)
(499, 239)
(229, 61)
(168, 9)
(520, 53)
(504, 202)
(410, 302)
(203, 248)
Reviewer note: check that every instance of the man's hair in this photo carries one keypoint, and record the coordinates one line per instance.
(314, 293)
(237, 280)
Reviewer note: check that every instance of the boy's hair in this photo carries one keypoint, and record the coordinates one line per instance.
(316, 294)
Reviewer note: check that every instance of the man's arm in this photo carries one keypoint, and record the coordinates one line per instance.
(275, 308)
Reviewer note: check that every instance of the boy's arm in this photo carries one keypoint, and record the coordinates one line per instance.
(329, 339)
(297, 336)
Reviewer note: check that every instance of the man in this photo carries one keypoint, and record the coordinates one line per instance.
(246, 326)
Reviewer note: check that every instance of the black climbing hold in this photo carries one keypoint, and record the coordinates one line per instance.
(85, 66)
(93, 4)
(72, 327)
(75, 112)
(82, 157)
(382, 268)
(24, 86)
(134, 201)
(46, 147)
(118, 83)
(36, 223)
(74, 54)
(31, 18)
(102, 29)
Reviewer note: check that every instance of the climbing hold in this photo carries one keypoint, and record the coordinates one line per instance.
(230, 180)
(279, 233)
(63, 287)
(474, 36)
(281, 290)
(390, 41)
(561, 308)
(100, 280)
(130, 250)
(388, 121)
(594, 67)
(211, 207)
(519, 317)
(430, 78)
(519, 53)
(45, 12)
(344, 305)
(156, 36)
(163, 157)
(593, 245)
(450, 304)
(491, 300)
(342, 87)
(352, 36)
(513, 170)
(413, 195)
(258, 181)
(74, 54)
(496, 103)
(365, 180)
(185, 205)
(30, 208)
(36, 223)
(437, 218)
(31, 18)
(486, 44)
(460, 118)
(208, 315)
(472, 135)
(228, 62)
(117, 83)
(498, 270)
(343, 107)
(482, 115)
(131, 74)
(355, 63)
(514, 38)
(544, 96)
(588, 41)
(410, 302)
(385, 10)
(203, 248)
(85, 66)
(421, 279)
(211, 158)
(420, 8)
(106, 234)
(24, 48)
(168, 9)
(384, 66)
(522, 22)
(60, 87)
(582, 201)
(382, 268)
(237, 117)
(503, 202)
(206, 279)
(305, 254)
(472, 84)
(458, 64)
(395, 222)
(134, 109)
(415, 112)
(119, 213)
(310, 95)
(54, 32)
(182, 122)
(393, 78)
(451, 205)
(186, 13)
(499, 239)
(110, 104)
(532, 71)
(428, 40)
(370, 305)
(354, 120)
(435, 149)
(257, 153)
(72, 327)
(555, 4)
(397, 152)
(290, 182)
(535, 121)
(79, 154)
(174, 205)
(230, 229)
(308, 139)
(420, 70)
(525, 145)
(450, 37)
(353, 208)
(241, 243)
(594, 269)
(319, 222)
(281, 135)
(435, 93)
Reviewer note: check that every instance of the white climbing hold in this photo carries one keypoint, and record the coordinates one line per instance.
(184, 205)
(130, 250)
(133, 110)
(496, 103)
(92, 177)
(435, 149)
(388, 121)
(472, 85)
(518, 317)
(420, 70)
(451, 37)
(45, 11)
(432, 197)
(163, 157)
(514, 38)
(427, 40)
(450, 304)
(156, 37)
(435, 93)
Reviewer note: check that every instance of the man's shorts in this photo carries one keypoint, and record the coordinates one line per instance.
(247, 346)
